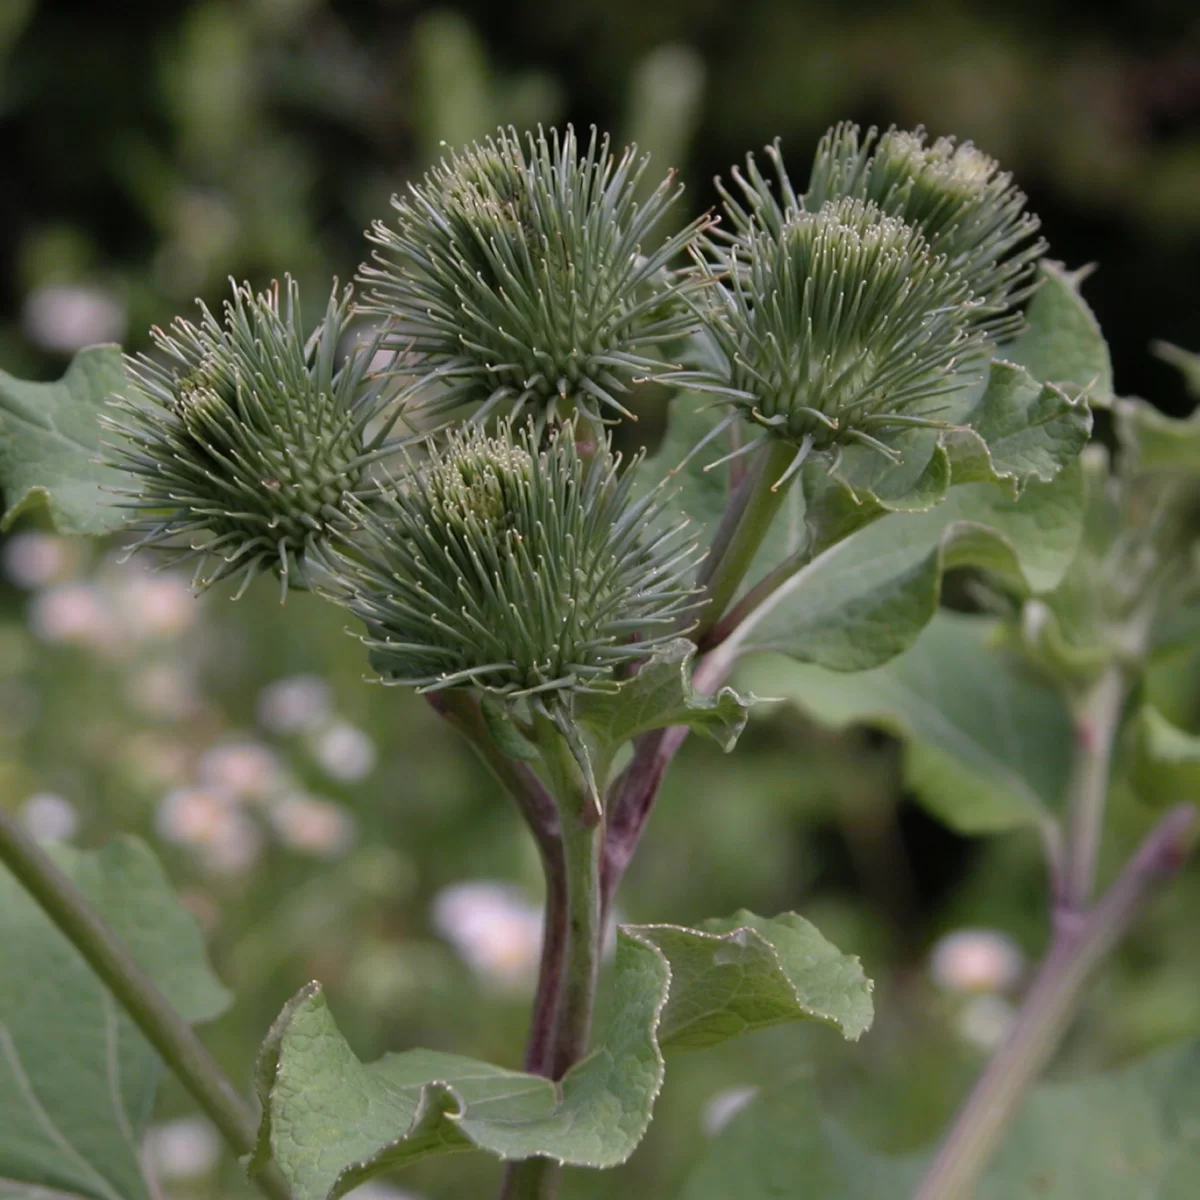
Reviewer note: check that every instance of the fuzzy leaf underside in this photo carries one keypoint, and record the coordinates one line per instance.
(331, 1122)
(1134, 1132)
(867, 598)
(987, 744)
(77, 1079)
(1062, 342)
(49, 442)
(660, 695)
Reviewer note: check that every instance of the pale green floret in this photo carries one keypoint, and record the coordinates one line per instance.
(522, 569)
(837, 327)
(523, 274)
(247, 440)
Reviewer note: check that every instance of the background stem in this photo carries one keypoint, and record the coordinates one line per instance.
(1079, 944)
(170, 1035)
(1097, 714)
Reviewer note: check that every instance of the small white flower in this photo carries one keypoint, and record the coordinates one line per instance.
(66, 317)
(183, 1149)
(156, 605)
(193, 816)
(345, 752)
(211, 823)
(164, 691)
(724, 1106)
(312, 825)
(977, 960)
(50, 818)
(985, 1020)
(33, 560)
(246, 770)
(297, 704)
(75, 614)
(495, 929)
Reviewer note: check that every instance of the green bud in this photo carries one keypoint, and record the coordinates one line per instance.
(247, 440)
(526, 274)
(516, 567)
(967, 208)
(836, 327)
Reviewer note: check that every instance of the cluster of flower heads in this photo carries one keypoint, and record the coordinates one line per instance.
(525, 285)
(847, 313)
(525, 274)
(516, 563)
(245, 438)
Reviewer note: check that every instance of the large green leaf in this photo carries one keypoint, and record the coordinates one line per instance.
(1132, 1133)
(987, 744)
(866, 598)
(331, 1122)
(50, 441)
(660, 695)
(1062, 342)
(77, 1079)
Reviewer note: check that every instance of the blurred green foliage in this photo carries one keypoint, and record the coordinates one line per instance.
(152, 150)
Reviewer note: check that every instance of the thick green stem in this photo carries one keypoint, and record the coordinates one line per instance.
(582, 826)
(1079, 944)
(751, 510)
(147, 1007)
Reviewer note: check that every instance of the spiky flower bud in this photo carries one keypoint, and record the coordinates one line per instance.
(526, 274)
(245, 438)
(837, 327)
(969, 210)
(517, 567)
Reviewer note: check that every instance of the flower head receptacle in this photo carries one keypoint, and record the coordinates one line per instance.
(524, 275)
(514, 563)
(246, 439)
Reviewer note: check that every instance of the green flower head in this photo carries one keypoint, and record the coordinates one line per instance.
(245, 439)
(968, 210)
(527, 274)
(520, 567)
(836, 327)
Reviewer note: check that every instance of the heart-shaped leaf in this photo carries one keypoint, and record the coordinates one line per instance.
(331, 1122)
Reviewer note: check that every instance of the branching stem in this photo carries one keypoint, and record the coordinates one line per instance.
(1080, 942)
(752, 508)
(170, 1035)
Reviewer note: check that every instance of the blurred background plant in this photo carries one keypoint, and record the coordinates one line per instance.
(318, 827)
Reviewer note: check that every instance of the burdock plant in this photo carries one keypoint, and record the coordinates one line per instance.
(877, 344)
